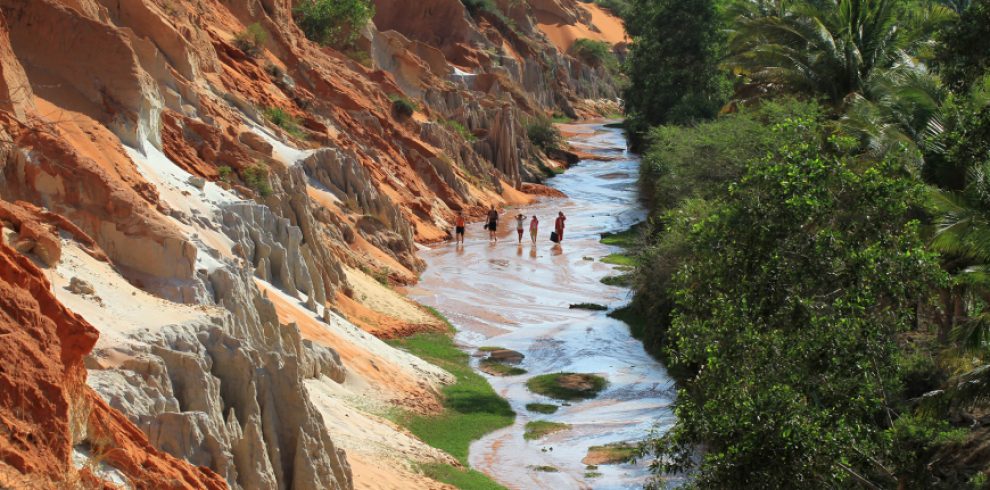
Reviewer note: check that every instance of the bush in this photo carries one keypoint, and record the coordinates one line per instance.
(284, 120)
(402, 107)
(333, 22)
(252, 40)
(256, 177)
(620, 8)
(461, 130)
(224, 172)
(593, 53)
(542, 134)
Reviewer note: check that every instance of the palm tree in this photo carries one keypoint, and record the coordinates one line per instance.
(830, 49)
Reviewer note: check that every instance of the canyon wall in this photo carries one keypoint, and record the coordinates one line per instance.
(197, 240)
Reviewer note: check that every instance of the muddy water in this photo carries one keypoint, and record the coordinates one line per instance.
(517, 297)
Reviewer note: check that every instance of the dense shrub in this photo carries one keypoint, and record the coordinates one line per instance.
(333, 22)
(785, 299)
(256, 177)
(594, 53)
(252, 40)
(543, 134)
(402, 108)
(284, 120)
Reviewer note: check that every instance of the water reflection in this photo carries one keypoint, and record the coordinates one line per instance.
(523, 305)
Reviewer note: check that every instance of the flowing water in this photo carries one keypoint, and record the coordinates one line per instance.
(517, 297)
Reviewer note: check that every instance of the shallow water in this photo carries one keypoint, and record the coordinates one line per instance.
(517, 297)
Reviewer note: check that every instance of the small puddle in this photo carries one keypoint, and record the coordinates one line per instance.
(517, 297)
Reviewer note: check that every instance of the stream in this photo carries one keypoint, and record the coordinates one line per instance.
(517, 297)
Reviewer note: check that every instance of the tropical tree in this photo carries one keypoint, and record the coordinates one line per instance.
(963, 56)
(673, 62)
(834, 49)
(786, 305)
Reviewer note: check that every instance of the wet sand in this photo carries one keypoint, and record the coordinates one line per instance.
(517, 297)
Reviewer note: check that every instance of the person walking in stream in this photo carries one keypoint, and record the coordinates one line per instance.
(459, 229)
(558, 226)
(520, 226)
(492, 224)
(534, 226)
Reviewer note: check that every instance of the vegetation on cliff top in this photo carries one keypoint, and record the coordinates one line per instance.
(336, 23)
(815, 259)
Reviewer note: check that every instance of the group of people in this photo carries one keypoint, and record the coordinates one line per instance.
(491, 224)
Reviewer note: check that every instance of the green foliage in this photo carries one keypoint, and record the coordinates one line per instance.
(595, 53)
(252, 40)
(462, 478)
(256, 177)
(225, 172)
(334, 23)
(567, 386)
(829, 49)
(621, 8)
(461, 130)
(402, 107)
(622, 280)
(963, 56)
(785, 302)
(543, 134)
(913, 442)
(284, 120)
(537, 429)
(701, 161)
(439, 316)
(471, 407)
(619, 259)
(477, 8)
(496, 368)
(547, 408)
(628, 238)
(673, 62)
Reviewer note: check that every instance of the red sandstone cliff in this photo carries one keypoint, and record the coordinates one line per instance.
(221, 256)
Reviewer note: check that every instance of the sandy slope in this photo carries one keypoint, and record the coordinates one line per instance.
(379, 379)
(563, 35)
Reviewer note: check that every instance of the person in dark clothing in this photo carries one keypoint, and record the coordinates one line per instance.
(492, 224)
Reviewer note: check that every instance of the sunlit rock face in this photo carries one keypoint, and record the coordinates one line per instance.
(180, 222)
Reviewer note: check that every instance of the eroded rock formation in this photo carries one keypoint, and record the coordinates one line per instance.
(210, 213)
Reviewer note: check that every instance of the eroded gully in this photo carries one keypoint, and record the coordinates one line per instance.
(517, 297)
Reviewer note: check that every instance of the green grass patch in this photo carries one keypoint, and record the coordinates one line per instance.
(460, 129)
(496, 368)
(588, 306)
(284, 120)
(542, 407)
(538, 429)
(489, 348)
(623, 280)
(561, 119)
(471, 407)
(544, 468)
(567, 386)
(626, 239)
(617, 453)
(439, 316)
(619, 259)
(463, 478)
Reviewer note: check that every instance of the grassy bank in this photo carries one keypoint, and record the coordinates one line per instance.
(471, 410)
